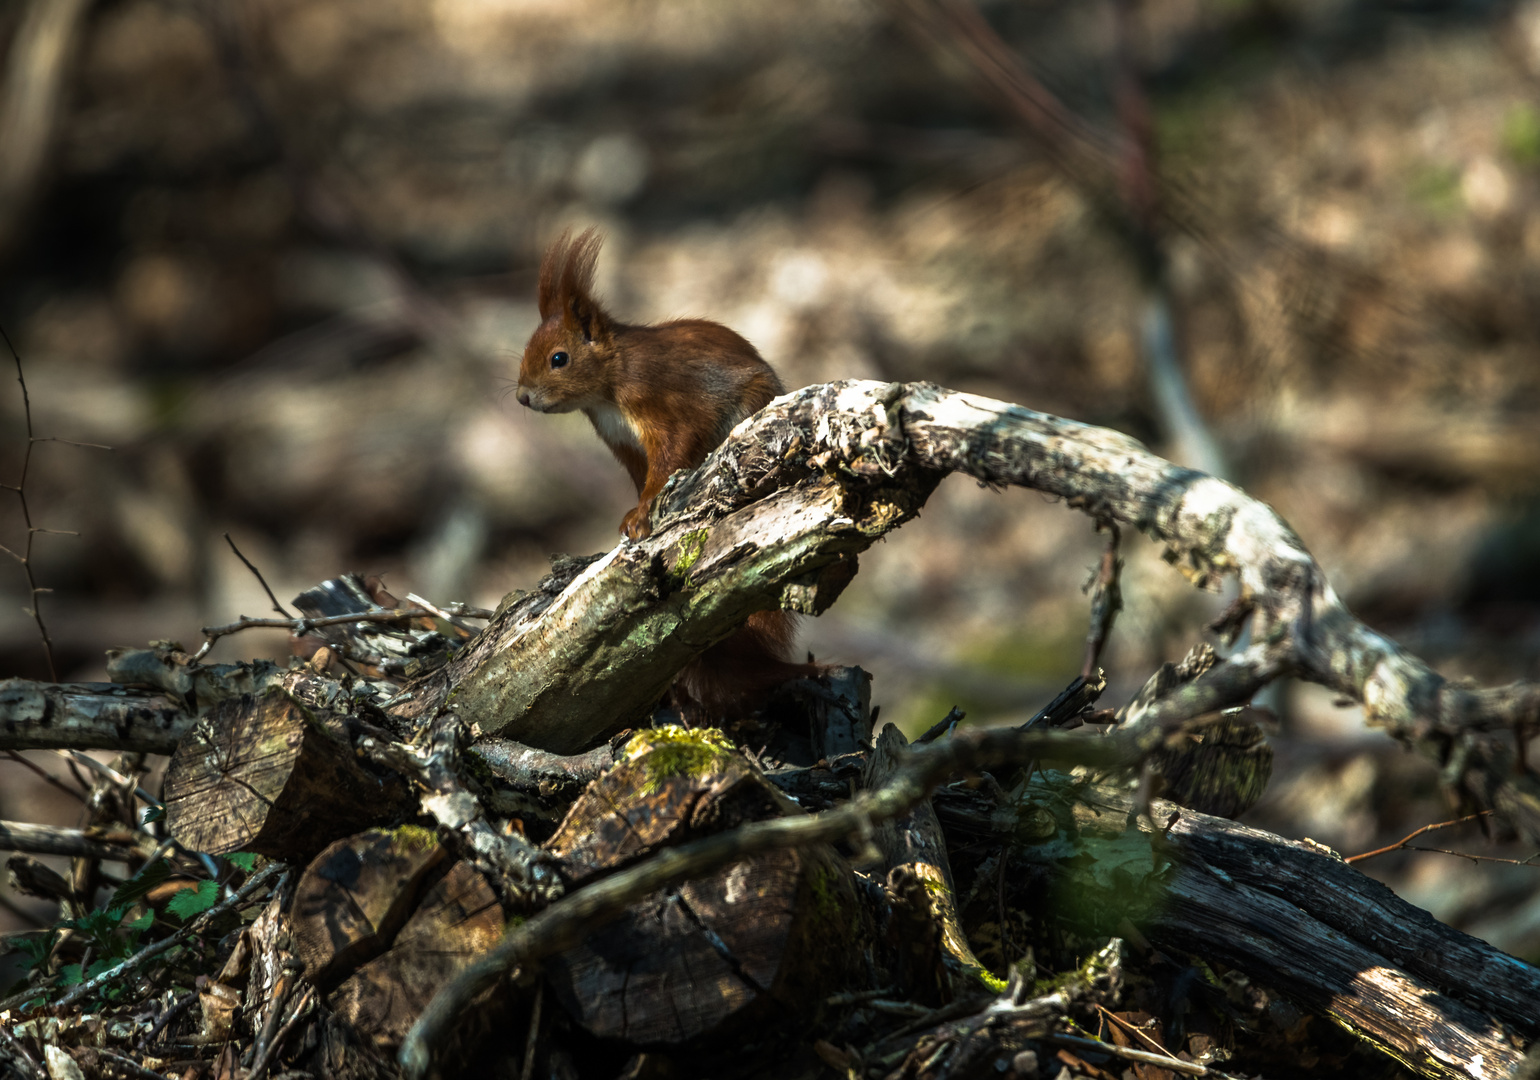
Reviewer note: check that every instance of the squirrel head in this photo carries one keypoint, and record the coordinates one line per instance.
(566, 363)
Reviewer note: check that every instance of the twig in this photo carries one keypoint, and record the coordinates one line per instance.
(172, 1011)
(1478, 858)
(21, 1054)
(130, 1066)
(532, 1042)
(46, 776)
(943, 726)
(1131, 1029)
(149, 952)
(20, 488)
(261, 580)
(1409, 837)
(1189, 1068)
(1106, 602)
(259, 1066)
(572, 918)
(463, 631)
(304, 626)
(124, 782)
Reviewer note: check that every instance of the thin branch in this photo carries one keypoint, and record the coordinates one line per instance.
(149, 952)
(124, 782)
(46, 776)
(1165, 1061)
(260, 1065)
(114, 845)
(130, 1066)
(19, 1054)
(262, 580)
(1106, 602)
(1477, 858)
(1154, 1046)
(70, 442)
(26, 513)
(304, 626)
(1409, 837)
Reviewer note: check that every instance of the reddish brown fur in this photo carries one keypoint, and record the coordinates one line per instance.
(662, 398)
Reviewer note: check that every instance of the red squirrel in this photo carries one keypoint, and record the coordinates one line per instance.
(662, 398)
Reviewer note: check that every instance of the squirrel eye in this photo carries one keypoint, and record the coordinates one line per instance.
(559, 359)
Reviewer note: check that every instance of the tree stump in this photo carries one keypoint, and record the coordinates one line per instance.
(756, 942)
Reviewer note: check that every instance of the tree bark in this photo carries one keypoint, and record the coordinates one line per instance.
(819, 474)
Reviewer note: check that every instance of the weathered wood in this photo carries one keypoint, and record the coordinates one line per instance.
(1217, 764)
(356, 895)
(841, 717)
(458, 919)
(113, 842)
(1291, 915)
(597, 657)
(401, 647)
(88, 716)
(540, 773)
(916, 845)
(752, 942)
(819, 474)
(264, 775)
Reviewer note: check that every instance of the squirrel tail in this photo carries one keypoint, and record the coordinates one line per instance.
(731, 678)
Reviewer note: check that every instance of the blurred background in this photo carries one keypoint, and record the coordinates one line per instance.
(279, 255)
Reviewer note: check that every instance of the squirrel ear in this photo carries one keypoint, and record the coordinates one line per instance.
(582, 311)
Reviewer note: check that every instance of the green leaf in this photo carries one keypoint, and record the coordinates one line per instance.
(69, 975)
(189, 902)
(35, 947)
(245, 860)
(142, 923)
(154, 813)
(137, 887)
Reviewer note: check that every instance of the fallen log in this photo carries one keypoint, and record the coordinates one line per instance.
(1290, 914)
(265, 775)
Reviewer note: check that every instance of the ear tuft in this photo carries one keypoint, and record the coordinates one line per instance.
(567, 275)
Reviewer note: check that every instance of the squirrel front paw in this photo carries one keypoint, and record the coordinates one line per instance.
(635, 524)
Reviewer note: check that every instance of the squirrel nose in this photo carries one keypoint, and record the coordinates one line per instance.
(524, 398)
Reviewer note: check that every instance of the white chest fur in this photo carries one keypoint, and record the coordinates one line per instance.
(613, 426)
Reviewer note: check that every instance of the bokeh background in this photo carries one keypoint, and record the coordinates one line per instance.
(279, 255)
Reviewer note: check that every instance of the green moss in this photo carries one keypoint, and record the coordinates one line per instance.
(415, 838)
(691, 545)
(826, 895)
(671, 751)
(989, 979)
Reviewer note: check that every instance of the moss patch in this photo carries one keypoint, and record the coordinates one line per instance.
(676, 751)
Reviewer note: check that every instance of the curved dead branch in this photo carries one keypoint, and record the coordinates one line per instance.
(777, 515)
